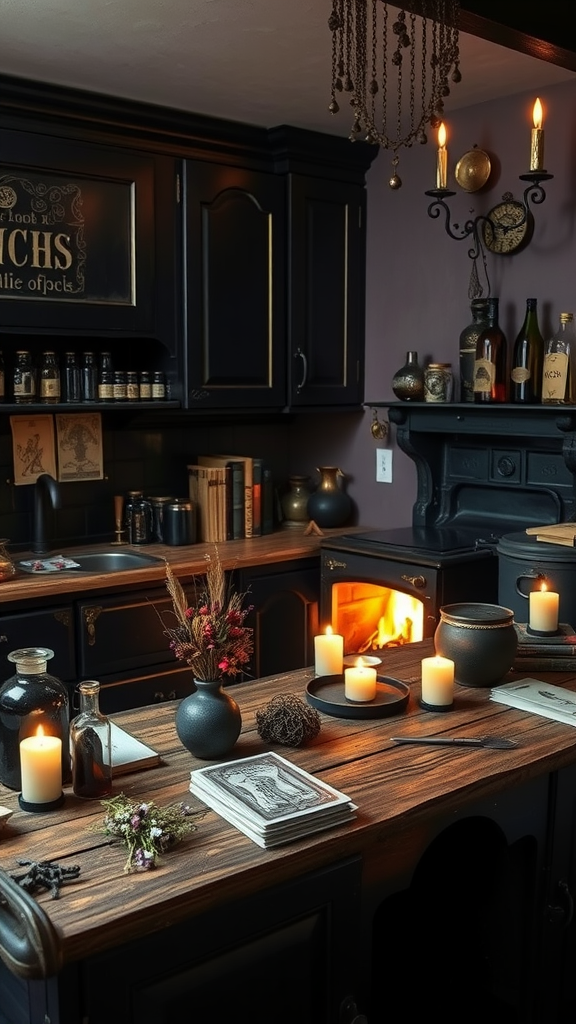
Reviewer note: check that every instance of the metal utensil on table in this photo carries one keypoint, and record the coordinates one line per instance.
(495, 742)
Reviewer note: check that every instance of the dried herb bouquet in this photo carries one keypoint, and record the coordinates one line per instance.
(210, 635)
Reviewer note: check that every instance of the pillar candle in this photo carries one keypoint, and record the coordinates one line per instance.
(41, 768)
(544, 610)
(328, 653)
(360, 682)
(537, 139)
(442, 158)
(437, 681)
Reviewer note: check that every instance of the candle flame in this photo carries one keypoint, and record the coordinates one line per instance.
(40, 732)
(442, 134)
(360, 663)
(328, 630)
(543, 588)
(536, 114)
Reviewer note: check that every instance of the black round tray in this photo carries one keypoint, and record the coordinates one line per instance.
(326, 693)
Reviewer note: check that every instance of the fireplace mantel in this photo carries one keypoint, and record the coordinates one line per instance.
(502, 466)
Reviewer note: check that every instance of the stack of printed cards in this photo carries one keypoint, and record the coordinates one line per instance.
(270, 799)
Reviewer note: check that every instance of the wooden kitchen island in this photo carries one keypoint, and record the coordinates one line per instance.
(454, 878)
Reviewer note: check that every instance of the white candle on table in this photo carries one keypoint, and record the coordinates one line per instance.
(437, 681)
(544, 610)
(328, 653)
(360, 682)
(41, 768)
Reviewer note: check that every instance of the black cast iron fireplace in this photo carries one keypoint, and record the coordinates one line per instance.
(483, 473)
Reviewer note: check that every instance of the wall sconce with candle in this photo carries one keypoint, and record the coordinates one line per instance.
(507, 227)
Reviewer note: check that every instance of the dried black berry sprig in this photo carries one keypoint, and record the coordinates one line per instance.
(45, 874)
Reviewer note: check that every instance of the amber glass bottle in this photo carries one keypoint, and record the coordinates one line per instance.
(526, 375)
(491, 363)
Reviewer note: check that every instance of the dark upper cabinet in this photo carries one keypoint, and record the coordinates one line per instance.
(234, 287)
(88, 238)
(326, 282)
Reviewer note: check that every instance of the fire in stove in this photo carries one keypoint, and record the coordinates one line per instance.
(371, 617)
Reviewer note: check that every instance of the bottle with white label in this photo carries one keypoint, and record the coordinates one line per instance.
(559, 373)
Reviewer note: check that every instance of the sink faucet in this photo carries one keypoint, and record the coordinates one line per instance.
(45, 486)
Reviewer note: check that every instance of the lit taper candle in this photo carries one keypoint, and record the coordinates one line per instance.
(442, 159)
(537, 139)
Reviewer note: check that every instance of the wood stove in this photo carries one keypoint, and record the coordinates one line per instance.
(482, 472)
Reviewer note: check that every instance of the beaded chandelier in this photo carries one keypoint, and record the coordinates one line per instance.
(396, 67)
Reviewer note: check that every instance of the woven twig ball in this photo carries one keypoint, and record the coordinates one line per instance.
(287, 719)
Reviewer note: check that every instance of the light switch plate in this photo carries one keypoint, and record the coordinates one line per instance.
(383, 466)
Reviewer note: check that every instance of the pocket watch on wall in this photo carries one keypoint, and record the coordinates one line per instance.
(508, 227)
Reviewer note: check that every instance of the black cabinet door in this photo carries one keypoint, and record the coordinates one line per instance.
(234, 286)
(122, 634)
(284, 616)
(327, 240)
(52, 628)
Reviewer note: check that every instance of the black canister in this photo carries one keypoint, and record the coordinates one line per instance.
(526, 564)
(179, 525)
(158, 507)
(480, 639)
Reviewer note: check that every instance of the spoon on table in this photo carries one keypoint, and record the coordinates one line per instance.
(496, 742)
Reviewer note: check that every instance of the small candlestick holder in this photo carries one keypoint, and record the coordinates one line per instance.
(118, 512)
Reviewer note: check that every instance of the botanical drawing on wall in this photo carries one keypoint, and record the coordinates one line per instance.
(32, 447)
(80, 447)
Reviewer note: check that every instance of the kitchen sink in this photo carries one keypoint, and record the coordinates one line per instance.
(113, 561)
(91, 561)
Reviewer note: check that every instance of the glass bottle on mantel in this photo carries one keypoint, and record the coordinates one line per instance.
(491, 363)
(527, 359)
(49, 379)
(559, 374)
(468, 339)
(91, 745)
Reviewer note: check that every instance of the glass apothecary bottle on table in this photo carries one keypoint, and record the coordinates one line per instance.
(91, 745)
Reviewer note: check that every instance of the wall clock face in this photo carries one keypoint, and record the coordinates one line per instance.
(508, 227)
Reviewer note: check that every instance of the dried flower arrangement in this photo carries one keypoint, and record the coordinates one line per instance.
(210, 634)
(146, 830)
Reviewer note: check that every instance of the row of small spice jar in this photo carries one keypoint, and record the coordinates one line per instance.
(74, 383)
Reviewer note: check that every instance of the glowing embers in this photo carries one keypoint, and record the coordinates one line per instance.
(370, 616)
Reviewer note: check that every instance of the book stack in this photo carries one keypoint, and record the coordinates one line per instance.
(543, 699)
(269, 799)
(233, 495)
(560, 533)
(545, 653)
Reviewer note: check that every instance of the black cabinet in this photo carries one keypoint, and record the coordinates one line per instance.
(285, 614)
(49, 627)
(235, 273)
(326, 283)
(285, 956)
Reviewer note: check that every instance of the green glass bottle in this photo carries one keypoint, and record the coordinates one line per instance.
(527, 359)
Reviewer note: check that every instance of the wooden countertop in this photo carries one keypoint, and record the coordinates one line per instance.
(186, 561)
(395, 787)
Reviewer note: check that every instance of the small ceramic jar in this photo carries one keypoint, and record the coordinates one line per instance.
(438, 382)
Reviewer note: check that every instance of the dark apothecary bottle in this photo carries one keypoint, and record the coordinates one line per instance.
(89, 378)
(138, 518)
(158, 386)
(119, 389)
(72, 391)
(132, 386)
(468, 339)
(49, 379)
(29, 700)
(91, 745)
(106, 378)
(527, 359)
(24, 380)
(145, 386)
(559, 373)
(491, 363)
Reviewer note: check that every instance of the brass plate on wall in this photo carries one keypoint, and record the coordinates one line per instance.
(473, 170)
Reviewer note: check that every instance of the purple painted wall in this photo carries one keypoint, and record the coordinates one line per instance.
(418, 278)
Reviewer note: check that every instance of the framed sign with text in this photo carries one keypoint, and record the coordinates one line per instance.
(66, 240)
(77, 235)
